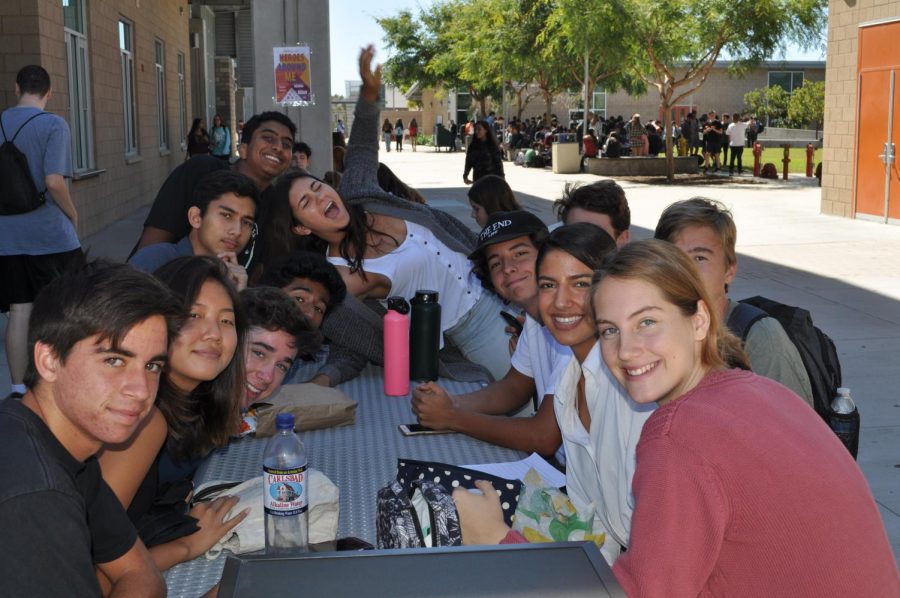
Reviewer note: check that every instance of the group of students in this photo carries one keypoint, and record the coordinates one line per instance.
(707, 472)
(396, 131)
(134, 378)
(147, 397)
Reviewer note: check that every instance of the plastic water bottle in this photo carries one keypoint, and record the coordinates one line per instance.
(424, 336)
(845, 420)
(396, 348)
(285, 490)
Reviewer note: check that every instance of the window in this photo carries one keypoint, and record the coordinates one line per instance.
(160, 67)
(182, 102)
(79, 85)
(787, 80)
(129, 99)
(598, 102)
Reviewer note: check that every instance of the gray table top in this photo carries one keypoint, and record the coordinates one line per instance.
(360, 459)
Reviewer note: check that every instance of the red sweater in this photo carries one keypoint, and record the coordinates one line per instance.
(742, 490)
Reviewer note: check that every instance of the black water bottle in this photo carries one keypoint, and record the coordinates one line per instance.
(424, 336)
(844, 420)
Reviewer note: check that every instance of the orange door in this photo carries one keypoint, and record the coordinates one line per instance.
(877, 172)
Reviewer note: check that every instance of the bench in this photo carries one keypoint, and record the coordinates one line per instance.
(640, 166)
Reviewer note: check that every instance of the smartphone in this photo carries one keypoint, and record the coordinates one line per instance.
(419, 429)
(512, 321)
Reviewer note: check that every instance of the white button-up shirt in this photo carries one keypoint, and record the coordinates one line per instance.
(600, 464)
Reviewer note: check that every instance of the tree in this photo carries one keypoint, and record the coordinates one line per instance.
(475, 41)
(413, 46)
(539, 55)
(591, 31)
(807, 105)
(448, 44)
(675, 43)
(768, 103)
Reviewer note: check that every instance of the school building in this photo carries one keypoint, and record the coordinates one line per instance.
(130, 76)
(860, 174)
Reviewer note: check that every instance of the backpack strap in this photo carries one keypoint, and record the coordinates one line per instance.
(16, 134)
(743, 317)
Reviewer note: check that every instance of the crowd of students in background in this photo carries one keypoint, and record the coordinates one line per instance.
(528, 141)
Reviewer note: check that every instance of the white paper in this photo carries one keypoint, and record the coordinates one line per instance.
(516, 470)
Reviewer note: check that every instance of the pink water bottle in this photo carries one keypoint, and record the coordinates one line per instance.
(396, 348)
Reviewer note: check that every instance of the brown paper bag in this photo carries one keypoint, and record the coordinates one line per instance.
(313, 406)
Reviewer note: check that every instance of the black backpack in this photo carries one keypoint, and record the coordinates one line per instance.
(816, 349)
(20, 194)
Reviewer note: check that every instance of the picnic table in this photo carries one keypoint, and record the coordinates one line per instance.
(359, 459)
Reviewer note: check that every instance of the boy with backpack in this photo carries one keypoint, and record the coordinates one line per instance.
(38, 239)
(704, 230)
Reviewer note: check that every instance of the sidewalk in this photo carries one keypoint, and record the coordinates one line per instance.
(846, 272)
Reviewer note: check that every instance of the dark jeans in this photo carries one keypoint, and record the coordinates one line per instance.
(737, 151)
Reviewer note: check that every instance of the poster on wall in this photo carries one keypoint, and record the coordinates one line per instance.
(292, 76)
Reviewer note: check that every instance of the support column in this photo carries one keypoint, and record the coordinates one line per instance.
(285, 23)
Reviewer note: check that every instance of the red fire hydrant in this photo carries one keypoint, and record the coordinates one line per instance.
(786, 160)
(757, 156)
(810, 152)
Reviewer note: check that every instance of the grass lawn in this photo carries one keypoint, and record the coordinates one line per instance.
(776, 154)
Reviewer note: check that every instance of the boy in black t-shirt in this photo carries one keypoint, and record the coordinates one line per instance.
(267, 142)
(99, 337)
(712, 141)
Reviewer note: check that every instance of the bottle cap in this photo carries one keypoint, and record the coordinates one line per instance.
(843, 391)
(425, 296)
(284, 421)
(398, 304)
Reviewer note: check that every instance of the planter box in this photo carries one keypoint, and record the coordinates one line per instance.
(640, 166)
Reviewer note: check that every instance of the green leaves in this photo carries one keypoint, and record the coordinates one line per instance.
(807, 104)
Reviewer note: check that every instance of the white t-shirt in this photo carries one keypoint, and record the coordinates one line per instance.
(600, 465)
(736, 134)
(422, 261)
(538, 356)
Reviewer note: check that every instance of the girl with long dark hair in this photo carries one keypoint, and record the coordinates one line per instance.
(483, 155)
(220, 139)
(384, 245)
(490, 194)
(197, 410)
(197, 139)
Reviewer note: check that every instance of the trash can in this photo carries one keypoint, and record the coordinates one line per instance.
(566, 159)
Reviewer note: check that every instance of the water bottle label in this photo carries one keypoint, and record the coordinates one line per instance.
(285, 491)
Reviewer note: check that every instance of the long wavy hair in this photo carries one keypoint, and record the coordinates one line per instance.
(494, 194)
(490, 140)
(670, 270)
(207, 417)
(280, 239)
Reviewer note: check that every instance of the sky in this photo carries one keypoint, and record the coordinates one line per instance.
(353, 25)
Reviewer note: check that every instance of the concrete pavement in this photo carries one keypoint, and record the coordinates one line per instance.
(846, 272)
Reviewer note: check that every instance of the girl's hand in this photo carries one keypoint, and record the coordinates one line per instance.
(480, 515)
(371, 78)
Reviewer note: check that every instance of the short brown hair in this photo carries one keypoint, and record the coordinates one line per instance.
(602, 197)
(699, 211)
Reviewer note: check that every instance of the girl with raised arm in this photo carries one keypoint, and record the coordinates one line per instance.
(384, 245)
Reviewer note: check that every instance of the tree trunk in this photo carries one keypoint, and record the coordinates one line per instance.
(670, 157)
(548, 104)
